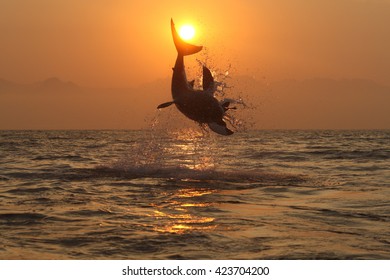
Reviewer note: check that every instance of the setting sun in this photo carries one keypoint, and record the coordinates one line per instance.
(187, 32)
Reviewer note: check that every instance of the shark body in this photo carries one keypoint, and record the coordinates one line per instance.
(198, 105)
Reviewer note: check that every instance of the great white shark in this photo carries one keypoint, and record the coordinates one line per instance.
(198, 105)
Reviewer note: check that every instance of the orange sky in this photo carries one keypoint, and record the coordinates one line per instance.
(121, 43)
(342, 45)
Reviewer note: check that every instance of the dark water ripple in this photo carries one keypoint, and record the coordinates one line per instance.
(183, 195)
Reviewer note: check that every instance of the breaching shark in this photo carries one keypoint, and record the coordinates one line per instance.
(198, 105)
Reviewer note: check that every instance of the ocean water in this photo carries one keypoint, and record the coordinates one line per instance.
(186, 194)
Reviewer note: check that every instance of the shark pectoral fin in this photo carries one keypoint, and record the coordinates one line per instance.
(166, 104)
(220, 128)
(226, 103)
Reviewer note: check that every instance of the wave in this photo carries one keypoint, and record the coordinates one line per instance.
(153, 172)
(325, 153)
(22, 218)
(209, 175)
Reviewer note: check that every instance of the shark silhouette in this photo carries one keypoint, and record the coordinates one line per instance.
(198, 105)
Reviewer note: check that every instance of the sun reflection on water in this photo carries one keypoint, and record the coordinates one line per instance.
(195, 192)
(181, 216)
(193, 149)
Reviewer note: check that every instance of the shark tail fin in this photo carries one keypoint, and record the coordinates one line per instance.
(182, 47)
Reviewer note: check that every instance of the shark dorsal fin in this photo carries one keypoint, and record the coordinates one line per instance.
(208, 80)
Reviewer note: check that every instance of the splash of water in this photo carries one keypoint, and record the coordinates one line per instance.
(224, 92)
(168, 153)
(187, 145)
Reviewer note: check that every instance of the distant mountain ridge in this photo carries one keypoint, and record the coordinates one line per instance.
(328, 104)
(314, 84)
(335, 85)
(5, 84)
(319, 103)
(50, 84)
(56, 83)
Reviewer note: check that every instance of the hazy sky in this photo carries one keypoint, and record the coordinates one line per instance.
(119, 43)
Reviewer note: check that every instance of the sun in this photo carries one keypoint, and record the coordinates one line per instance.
(187, 32)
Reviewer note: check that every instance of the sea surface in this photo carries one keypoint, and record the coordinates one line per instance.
(187, 194)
